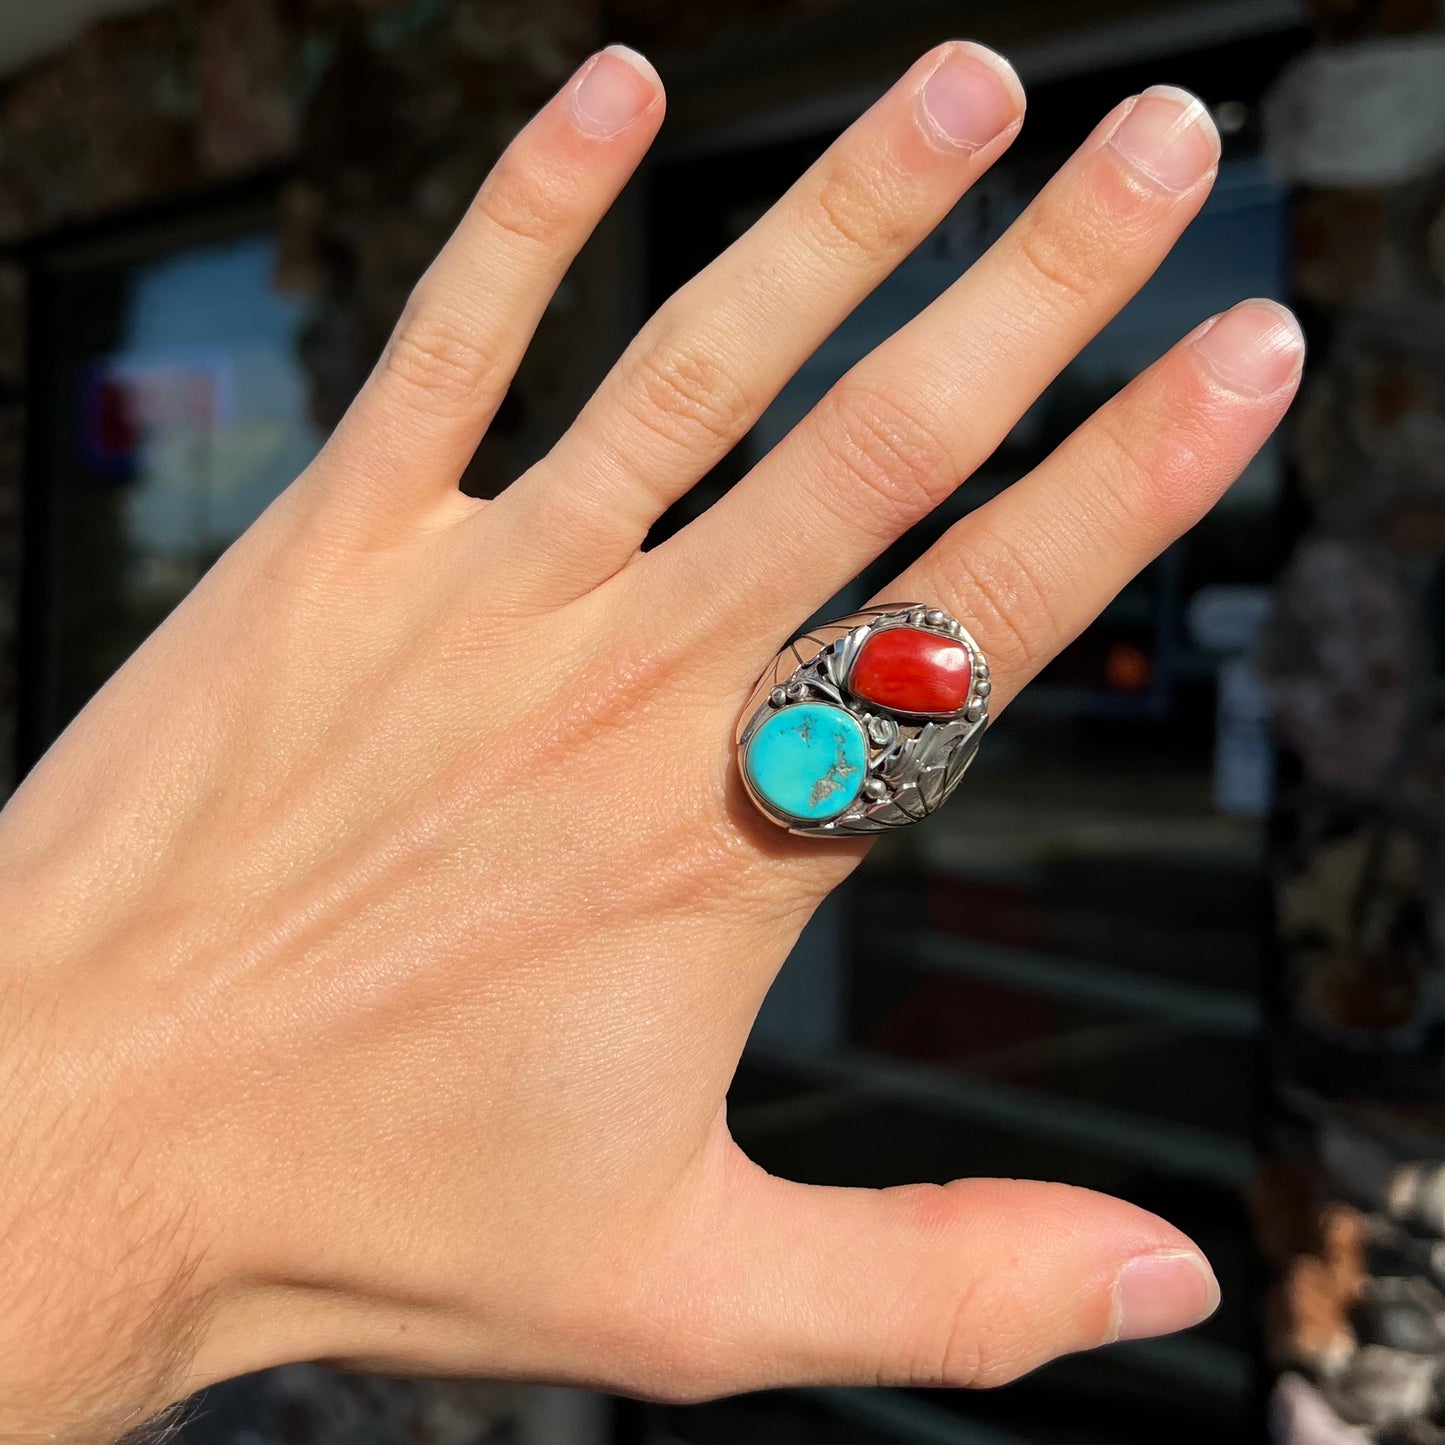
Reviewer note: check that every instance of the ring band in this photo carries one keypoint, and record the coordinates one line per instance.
(864, 724)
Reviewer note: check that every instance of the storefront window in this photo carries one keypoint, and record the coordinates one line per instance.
(1059, 977)
(176, 410)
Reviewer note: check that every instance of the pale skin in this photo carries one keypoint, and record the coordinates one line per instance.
(381, 941)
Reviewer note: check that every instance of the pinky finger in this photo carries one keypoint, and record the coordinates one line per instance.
(410, 433)
(1030, 569)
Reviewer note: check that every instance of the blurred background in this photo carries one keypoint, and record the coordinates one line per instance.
(1179, 939)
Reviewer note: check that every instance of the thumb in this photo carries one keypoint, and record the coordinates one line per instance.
(970, 1283)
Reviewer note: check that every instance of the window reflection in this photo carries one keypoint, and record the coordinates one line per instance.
(1059, 976)
(181, 412)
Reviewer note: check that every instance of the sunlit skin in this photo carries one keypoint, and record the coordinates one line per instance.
(381, 941)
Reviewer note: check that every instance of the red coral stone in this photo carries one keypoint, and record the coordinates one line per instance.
(912, 671)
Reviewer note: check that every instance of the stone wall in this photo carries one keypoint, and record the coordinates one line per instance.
(1352, 1205)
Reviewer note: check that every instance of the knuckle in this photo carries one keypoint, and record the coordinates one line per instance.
(851, 222)
(686, 398)
(981, 1350)
(961, 1337)
(1080, 233)
(1125, 471)
(938, 1339)
(933, 1211)
(885, 454)
(1063, 262)
(435, 359)
(1124, 463)
(514, 202)
(1155, 472)
(1010, 610)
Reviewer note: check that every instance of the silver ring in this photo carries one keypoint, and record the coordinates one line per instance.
(866, 723)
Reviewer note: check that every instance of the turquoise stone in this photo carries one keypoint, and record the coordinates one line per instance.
(808, 761)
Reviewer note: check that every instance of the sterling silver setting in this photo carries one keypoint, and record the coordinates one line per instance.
(914, 760)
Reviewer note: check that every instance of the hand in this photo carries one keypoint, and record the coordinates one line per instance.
(383, 938)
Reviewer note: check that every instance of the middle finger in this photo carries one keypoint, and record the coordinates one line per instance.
(911, 420)
(703, 369)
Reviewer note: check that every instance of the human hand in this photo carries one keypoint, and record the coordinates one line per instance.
(384, 936)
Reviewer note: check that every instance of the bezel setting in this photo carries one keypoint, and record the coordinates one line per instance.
(914, 760)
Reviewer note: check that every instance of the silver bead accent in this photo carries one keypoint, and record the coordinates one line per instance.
(913, 762)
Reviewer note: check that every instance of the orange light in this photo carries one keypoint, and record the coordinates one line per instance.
(1127, 668)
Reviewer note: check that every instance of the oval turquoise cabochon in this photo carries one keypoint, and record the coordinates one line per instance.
(808, 760)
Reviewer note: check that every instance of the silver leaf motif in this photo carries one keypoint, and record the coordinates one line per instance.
(914, 763)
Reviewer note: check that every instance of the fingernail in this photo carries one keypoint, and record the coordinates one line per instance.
(1254, 348)
(616, 89)
(1157, 1294)
(1168, 135)
(972, 96)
